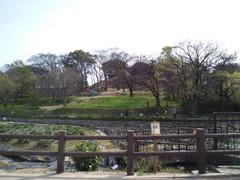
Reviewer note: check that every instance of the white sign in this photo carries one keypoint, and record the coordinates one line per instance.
(155, 128)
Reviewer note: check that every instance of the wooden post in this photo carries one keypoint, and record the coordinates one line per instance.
(227, 133)
(215, 147)
(61, 150)
(136, 147)
(155, 157)
(155, 131)
(130, 152)
(179, 147)
(200, 137)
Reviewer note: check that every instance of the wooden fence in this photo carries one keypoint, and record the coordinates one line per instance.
(199, 135)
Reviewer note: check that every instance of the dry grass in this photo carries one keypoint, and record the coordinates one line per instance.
(51, 108)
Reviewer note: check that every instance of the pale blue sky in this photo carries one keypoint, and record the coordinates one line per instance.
(138, 26)
(18, 18)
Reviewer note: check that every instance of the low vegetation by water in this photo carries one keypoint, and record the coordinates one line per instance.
(43, 129)
(39, 129)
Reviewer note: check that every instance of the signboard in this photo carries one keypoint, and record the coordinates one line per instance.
(155, 128)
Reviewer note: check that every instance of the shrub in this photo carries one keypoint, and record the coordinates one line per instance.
(144, 165)
(23, 141)
(43, 143)
(87, 163)
(122, 162)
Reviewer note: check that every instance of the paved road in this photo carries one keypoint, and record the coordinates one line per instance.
(86, 176)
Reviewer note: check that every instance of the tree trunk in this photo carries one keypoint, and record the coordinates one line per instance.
(130, 86)
(157, 99)
(131, 92)
(192, 106)
(105, 82)
(221, 96)
(123, 89)
(118, 87)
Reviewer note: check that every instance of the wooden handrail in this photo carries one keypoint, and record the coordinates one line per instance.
(201, 153)
(228, 135)
(14, 136)
(226, 113)
(95, 137)
(170, 136)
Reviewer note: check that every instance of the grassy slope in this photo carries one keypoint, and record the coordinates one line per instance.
(113, 102)
(116, 102)
(79, 107)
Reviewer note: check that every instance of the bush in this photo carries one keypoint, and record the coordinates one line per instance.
(43, 143)
(23, 141)
(87, 163)
(144, 165)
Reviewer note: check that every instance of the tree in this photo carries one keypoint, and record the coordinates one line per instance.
(167, 74)
(81, 62)
(100, 56)
(21, 76)
(45, 62)
(118, 70)
(146, 74)
(225, 82)
(67, 85)
(7, 89)
(194, 62)
(45, 69)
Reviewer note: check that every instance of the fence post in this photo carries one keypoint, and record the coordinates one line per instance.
(61, 150)
(200, 137)
(130, 152)
(215, 131)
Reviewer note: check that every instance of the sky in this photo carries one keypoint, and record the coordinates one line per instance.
(29, 27)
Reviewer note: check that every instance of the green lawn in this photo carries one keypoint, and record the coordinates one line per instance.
(114, 102)
(98, 107)
(20, 111)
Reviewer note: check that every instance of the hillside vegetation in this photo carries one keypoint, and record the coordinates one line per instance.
(43, 129)
(89, 107)
(201, 75)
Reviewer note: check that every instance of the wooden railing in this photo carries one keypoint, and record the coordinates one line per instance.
(200, 152)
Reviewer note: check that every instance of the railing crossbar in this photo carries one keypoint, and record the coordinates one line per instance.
(200, 152)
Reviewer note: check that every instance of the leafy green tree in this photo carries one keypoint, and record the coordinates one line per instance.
(167, 74)
(81, 62)
(227, 88)
(223, 81)
(7, 90)
(21, 76)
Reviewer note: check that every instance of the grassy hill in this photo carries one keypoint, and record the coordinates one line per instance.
(97, 107)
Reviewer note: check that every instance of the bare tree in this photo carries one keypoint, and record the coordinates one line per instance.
(45, 68)
(117, 69)
(146, 74)
(194, 62)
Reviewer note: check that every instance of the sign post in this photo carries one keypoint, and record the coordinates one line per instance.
(155, 131)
